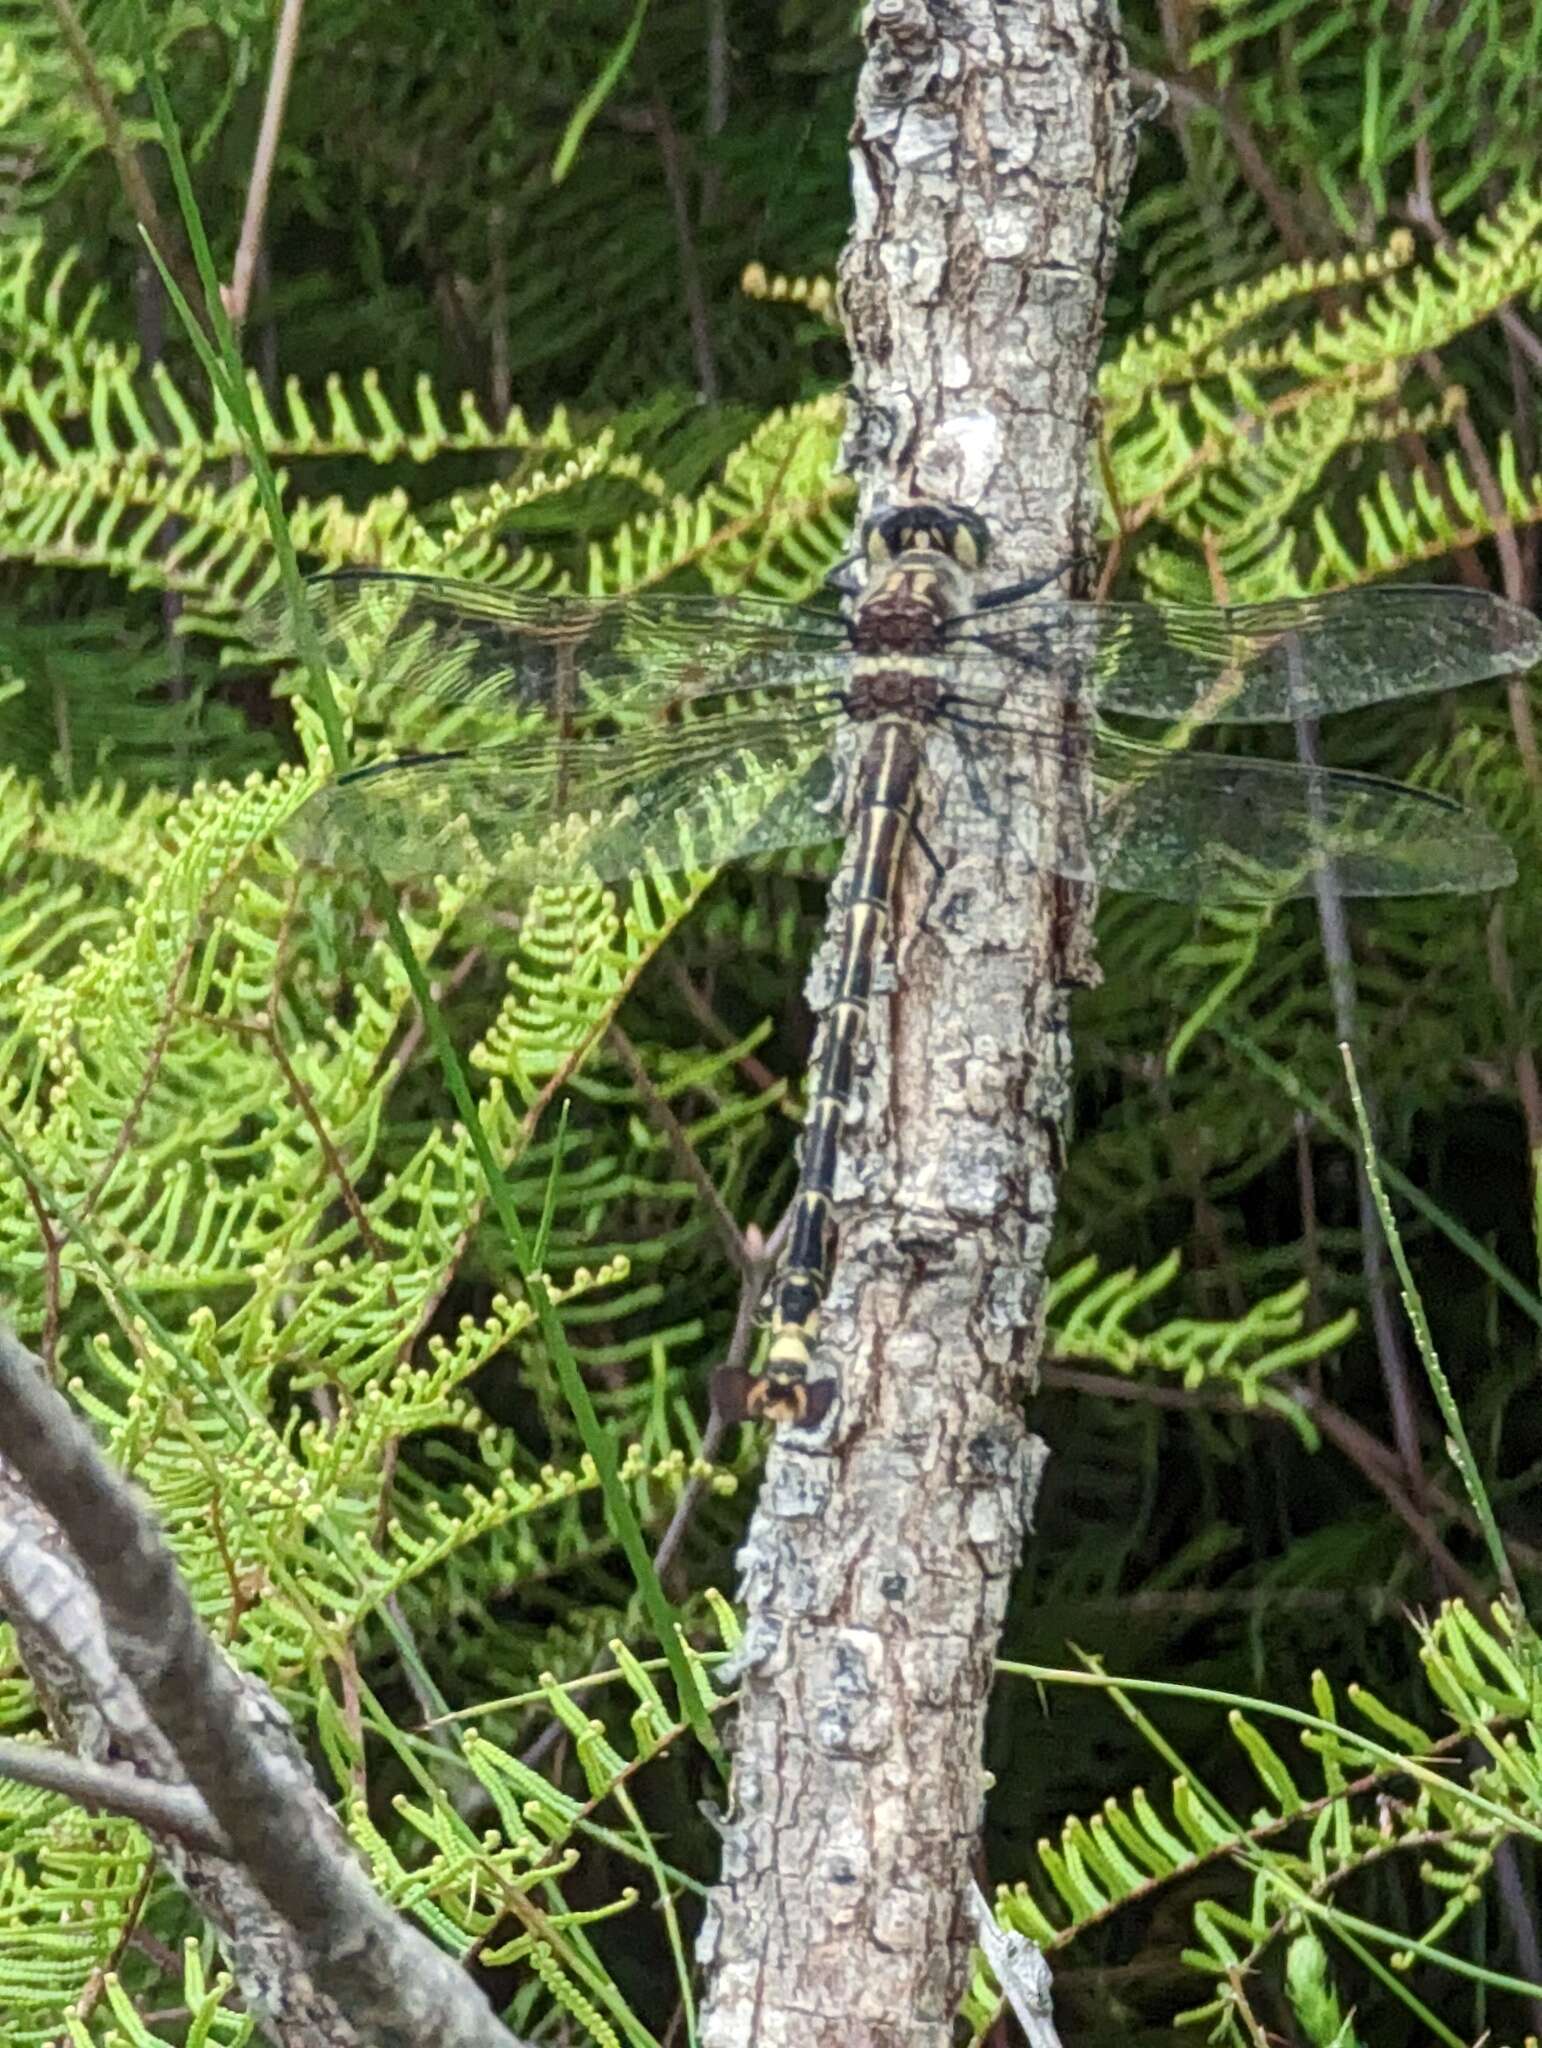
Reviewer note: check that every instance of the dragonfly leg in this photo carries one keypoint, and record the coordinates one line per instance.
(1034, 586)
(740, 1395)
(782, 1391)
(846, 575)
(927, 848)
(969, 760)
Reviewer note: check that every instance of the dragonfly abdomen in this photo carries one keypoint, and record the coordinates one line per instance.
(885, 804)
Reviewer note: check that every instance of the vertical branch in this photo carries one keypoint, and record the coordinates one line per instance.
(286, 44)
(672, 159)
(990, 154)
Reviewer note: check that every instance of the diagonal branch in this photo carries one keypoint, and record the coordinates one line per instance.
(686, 1157)
(163, 1809)
(111, 1636)
(171, 249)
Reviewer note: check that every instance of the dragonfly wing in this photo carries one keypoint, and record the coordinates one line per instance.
(549, 810)
(1207, 828)
(1293, 658)
(462, 661)
(546, 737)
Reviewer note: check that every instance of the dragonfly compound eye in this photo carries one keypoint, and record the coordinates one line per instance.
(928, 528)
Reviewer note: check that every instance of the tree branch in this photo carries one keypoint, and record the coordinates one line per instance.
(163, 1809)
(172, 249)
(111, 1636)
(286, 43)
(991, 148)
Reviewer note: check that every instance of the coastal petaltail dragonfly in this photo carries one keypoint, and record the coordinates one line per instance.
(540, 738)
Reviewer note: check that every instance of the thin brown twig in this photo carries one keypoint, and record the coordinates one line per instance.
(1516, 572)
(1311, 1249)
(1491, 497)
(245, 1587)
(670, 157)
(685, 1154)
(286, 42)
(306, 1104)
(49, 1344)
(1343, 995)
(1516, 577)
(1517, 1905)
(269, 1033)
(1391, 1352)
(173, 1010)
(718, 56)
(1420, 211)
(574, 1058)
(147, 1080)
(757, 1072)
(1512, 570)
(1187, 99)
(752, 1282)
(172, 250)
(500, 370)
(739, 1347)
(128, 1934)
(1527, 1083)
(1380, 1465)
(445, 985)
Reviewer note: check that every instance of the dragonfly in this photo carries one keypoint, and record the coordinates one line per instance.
(535, 738)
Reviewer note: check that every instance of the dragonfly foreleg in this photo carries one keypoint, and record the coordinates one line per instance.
(1034, 586)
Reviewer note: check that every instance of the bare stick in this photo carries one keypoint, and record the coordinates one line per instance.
(131, 172)
(286, 43)
(168, 1809)
(383, 1979)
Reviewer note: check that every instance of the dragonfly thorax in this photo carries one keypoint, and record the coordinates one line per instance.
(909, 608)
(878, 689)
(921, 559)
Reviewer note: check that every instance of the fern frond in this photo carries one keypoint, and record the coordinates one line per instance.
(1303, 1844)
(1234, 435)
(1089, 1318)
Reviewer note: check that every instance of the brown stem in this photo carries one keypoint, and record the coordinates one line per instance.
(690, 267)
(171, 249)
(686, 1156)
(286, 42)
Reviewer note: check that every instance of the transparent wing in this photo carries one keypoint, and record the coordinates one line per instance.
(1294, 658)
(434, 650)
(545, 736)
(456, 660)
(551, 809)
(1188, 827)
(548, 736)
(1207, 828)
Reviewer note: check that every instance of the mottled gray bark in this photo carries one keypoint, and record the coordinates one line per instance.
(991, 152)
(124, 1672)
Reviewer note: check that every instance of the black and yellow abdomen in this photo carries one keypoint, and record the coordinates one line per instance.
(885, 801)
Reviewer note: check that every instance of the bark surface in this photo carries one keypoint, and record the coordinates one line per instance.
(990, 155)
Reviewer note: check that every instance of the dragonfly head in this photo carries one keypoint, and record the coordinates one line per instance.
(926, 528)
